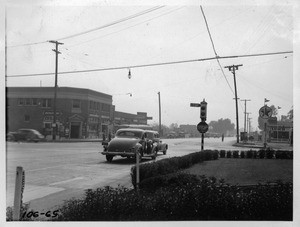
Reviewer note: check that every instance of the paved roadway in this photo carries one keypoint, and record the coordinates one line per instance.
(55, 172)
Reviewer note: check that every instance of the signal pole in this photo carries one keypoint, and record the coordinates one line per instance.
(232, 69)
(54, 125)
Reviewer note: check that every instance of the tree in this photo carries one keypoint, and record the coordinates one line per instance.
(173, 126)
(164, 128)
(221, 126)
(290, 114)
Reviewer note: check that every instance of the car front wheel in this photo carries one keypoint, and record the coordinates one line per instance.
(109, 158)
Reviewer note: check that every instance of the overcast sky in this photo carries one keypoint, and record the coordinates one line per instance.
(99, 36)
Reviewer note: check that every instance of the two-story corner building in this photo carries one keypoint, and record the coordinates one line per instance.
(80, 113)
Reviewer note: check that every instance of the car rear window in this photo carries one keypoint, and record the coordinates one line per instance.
(129, 134)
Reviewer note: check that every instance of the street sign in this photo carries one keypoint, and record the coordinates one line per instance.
(195, 104)
(202, 127)
(265, 112)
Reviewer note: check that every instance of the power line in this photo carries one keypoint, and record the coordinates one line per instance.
(150, 65)
(213, 45)
(98, 28)
(114, 23)
(126, 27)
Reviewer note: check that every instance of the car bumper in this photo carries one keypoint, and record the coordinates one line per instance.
(123, 154)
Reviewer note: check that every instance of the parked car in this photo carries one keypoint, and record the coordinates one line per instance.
(154, 137)
(127, 142)
(25, 135)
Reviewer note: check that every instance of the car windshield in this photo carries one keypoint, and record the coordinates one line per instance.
(150, 135)
(129, 134)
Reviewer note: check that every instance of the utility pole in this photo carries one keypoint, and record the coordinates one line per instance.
(54, 125)
(159, 113)
(245, 100)
(248, 121)
(232, 69)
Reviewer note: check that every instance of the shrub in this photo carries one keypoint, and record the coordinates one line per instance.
(206, 199)
(249, 154)
(269, 153)
(24, 208)
(242, 154)
(169, 180)
(254, 154)
(222, 153)
(289, 154)
(261, 153)
(283, 154)
(228, 154)
(171, 165)
(235, 154)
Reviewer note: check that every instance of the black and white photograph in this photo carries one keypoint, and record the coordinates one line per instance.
(154, 112)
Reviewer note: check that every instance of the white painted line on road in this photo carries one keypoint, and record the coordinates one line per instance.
(66, 181)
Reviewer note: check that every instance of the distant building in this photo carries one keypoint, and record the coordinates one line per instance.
(80, 113)
(189, 130)
(279, 131)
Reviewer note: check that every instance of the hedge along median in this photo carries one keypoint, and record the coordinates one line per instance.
(171, 165)
(268, 153)
(206, 199)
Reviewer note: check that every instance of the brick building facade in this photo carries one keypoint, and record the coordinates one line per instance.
(80, 113)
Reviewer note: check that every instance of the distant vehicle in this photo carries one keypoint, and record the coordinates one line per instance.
(127, 142)
(154, 137)
(25, 135)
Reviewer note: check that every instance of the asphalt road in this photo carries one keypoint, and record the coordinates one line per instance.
(55, 172)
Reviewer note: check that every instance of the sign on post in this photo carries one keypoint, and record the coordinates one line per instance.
(195, 105)
(202, 127)
(265, 113)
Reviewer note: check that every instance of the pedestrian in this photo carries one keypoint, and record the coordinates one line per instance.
(223, 137)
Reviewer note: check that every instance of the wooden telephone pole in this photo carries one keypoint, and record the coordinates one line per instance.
(232, 69)
(54, 125)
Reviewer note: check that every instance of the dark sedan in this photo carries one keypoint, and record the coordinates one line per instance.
(25, 135)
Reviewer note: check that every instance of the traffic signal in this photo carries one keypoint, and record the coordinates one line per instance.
(203, 110)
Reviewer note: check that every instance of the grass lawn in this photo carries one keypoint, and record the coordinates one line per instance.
(246, 171)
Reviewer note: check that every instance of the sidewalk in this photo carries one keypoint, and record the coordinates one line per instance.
(260, 145)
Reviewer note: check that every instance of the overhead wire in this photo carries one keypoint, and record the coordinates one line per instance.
(153, 64)
(97, 28)
(126, 27)
(213, 45)
(114, 23)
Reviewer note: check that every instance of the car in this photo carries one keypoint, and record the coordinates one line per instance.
(127, 143)
(154, 137)
(25, 134)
